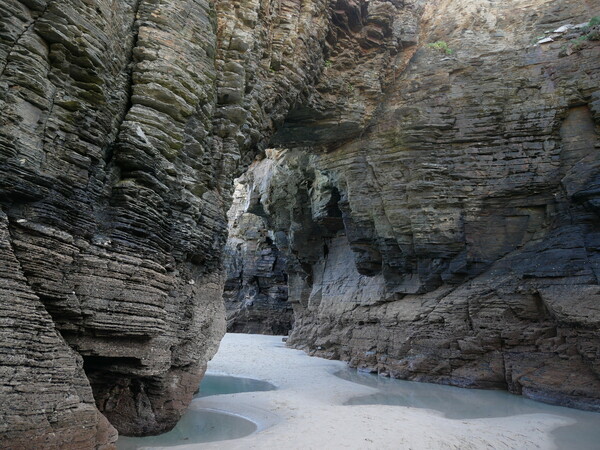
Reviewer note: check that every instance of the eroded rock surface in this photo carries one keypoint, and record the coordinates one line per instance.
(438, 212)
(39, 368)
(103, 132)
(256, 289)
(123, 124)
(453, 237)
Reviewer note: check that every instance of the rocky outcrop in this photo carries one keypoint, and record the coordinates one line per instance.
(123, 126)
(452, 237)
(36, 360)
(438, 209)
(108, 206)
(256, 289)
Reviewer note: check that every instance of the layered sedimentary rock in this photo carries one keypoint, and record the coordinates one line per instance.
(452, 236)
(103, 135)
(437, 209)
(122, 126)
(256, 288)
(39, 368)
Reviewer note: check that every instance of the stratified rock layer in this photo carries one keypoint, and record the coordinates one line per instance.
(454, 238)
(256, 290)
(123, 124)
(38, 368)
(438, 211)
(103, 132)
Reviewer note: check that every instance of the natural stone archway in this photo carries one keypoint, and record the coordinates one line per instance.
(123, 126)
(124, 123)
(453, 239)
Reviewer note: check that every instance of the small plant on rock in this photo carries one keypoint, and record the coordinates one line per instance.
(577, 43)
(348, 88)
(594, 29)
(591, 32)
(441, 46)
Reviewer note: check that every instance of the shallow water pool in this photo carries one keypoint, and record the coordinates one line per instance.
(225, 384)
(458, 403)
(196, 426)
(204, 425)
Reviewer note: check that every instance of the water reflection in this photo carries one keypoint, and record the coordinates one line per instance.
(203, 425)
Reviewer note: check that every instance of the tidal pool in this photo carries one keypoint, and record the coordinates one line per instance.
(458, 403)
(196, 426)
(205, 425)
(225, 384)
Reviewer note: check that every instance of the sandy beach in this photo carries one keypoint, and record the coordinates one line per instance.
(307, 410)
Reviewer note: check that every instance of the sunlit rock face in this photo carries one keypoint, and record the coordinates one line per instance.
(437, 211)
(256, 289)
(450, 233)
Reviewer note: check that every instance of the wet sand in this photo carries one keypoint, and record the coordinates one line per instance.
(307, 410)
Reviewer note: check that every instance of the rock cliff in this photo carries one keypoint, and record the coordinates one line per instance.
(441, 223)
(256, 290)
(123, 124)
(437, 206)
(104, 116)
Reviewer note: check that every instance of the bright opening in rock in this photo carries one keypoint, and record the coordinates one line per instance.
(256, 289)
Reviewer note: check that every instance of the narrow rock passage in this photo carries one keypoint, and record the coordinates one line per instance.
(425, 177)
